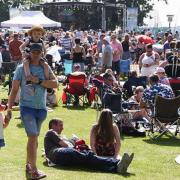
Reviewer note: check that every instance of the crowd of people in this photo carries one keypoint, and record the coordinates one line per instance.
(110, 54)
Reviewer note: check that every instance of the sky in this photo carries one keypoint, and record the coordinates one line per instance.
(160, 12)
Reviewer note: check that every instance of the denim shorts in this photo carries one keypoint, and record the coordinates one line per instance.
(32, 119)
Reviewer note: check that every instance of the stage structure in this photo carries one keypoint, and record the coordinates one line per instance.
(83, 13)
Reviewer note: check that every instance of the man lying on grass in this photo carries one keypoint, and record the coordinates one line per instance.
(57, 151)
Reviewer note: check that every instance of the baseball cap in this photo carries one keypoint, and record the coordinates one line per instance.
(36, 47)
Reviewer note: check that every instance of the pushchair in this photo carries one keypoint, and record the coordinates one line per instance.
(114, 102)
(122, 116)
(134, 82)
(173, 73)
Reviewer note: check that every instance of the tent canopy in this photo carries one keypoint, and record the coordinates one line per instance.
(28, 18)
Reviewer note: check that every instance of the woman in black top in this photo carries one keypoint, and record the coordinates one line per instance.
(125, 44)
(78, 54)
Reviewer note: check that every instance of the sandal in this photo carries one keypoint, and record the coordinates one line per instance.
(37, 174)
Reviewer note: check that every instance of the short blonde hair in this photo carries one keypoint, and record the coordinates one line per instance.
(138, 89)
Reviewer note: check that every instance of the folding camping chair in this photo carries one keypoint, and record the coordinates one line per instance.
(113, 102)
(75, 87)
(68, 66)
(165, 116)
(125, 66)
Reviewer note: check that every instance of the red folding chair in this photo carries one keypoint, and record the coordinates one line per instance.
(75, 86)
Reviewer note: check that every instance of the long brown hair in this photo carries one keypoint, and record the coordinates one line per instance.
(104, 127)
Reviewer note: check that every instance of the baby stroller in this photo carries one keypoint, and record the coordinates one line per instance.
(173, 73)
(134, 82)
(122, 116)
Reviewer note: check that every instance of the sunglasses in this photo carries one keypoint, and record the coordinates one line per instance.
(149, 51)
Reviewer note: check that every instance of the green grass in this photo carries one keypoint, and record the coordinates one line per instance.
(154, 160)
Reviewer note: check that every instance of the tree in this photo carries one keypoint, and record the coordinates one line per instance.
(144, 7)
(6, 4)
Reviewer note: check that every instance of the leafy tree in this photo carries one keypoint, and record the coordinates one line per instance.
(144, 7)
(6, 4)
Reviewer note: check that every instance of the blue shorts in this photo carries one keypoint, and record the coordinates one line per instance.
(32, 119)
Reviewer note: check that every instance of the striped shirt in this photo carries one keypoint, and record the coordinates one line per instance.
(66, 42)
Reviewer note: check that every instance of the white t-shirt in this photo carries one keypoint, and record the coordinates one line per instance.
(107, 50)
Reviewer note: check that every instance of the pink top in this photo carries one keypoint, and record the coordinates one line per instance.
(117, 50)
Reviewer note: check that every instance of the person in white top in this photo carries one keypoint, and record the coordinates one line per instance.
(148, 61)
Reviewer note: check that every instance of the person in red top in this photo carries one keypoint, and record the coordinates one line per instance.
(14, 48)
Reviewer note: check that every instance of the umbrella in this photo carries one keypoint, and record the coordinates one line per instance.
(145, 39)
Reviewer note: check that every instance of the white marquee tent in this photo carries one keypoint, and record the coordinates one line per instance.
(28, 18)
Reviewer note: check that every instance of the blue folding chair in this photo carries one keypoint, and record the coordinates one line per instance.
(67, 66)
(125, 66)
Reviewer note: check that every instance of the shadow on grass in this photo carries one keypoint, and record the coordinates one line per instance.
(81, 108)
(124, 137)
(27, 175)
(83, 169)
(164, 141)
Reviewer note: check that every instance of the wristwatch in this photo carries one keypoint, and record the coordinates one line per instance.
(40, 81)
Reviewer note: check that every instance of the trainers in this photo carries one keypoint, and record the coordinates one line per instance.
(28, 168)
(124, 163)
(37, 175)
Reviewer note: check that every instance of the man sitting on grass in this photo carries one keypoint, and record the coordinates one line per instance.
(57, 151)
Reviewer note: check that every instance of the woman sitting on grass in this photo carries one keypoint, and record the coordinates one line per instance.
(105, 136)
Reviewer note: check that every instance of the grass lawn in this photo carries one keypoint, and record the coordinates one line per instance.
(154, 160)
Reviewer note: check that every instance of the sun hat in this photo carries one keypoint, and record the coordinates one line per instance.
(107, 38)
(160, 70)
(36, 28)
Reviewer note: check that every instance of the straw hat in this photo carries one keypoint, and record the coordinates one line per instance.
(36, 28)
